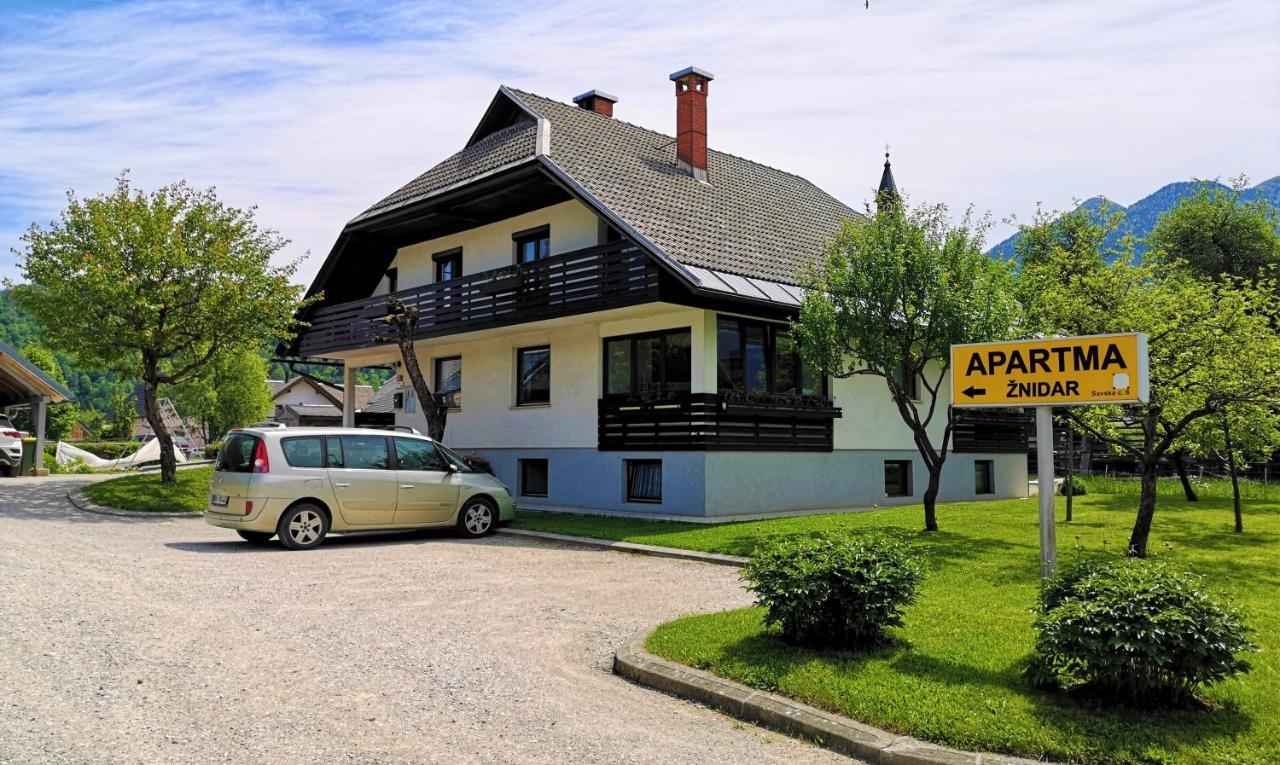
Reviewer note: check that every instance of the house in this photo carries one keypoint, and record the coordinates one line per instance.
(307, 400)
(607, 307)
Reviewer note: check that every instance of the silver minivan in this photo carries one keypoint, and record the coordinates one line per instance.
(300, 484)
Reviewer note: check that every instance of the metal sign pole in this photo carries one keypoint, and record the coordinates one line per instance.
(1044, 480)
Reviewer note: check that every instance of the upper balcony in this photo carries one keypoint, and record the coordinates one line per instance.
(591, 279)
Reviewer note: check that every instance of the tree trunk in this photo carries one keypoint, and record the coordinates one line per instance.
(1180, 465)
(434, 407)
(1235, 476)
(1071, 475)
(1146, 509)
(151, 408)
(931, 498)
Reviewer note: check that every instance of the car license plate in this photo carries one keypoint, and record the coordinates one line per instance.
(220, 500)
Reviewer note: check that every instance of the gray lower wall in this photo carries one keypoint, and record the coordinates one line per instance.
(737, 483)
(754, 482)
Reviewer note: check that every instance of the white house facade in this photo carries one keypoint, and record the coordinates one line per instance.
(607, 309)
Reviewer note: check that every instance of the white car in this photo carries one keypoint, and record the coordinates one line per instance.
(10, 446)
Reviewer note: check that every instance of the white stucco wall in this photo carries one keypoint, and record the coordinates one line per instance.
(573, 227)
(489, 417)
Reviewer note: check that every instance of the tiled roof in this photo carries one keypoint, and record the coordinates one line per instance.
(495, 150)
(383, 402)
(750, 219)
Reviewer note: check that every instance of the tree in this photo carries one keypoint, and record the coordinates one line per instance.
(1214, 235)
(60, 419)
(156, 287)
(1210, 345)
(403, 320)
(123, 413)
(232, 392)
(1239, 434)
(890, 298)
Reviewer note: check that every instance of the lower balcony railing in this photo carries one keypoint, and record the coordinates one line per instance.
(582, 281)
(718, 422)
(992, 430)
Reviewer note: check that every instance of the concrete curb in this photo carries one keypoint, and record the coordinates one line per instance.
(81, 502)
(631, 547)
(831, 731)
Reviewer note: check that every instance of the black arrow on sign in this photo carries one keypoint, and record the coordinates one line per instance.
(972, 391)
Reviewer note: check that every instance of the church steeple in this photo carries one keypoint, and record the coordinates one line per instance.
(888, 189)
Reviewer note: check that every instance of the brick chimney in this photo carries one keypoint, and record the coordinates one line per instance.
(597, 101)
(691, 120)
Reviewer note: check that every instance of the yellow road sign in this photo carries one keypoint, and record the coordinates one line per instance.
(1064, 371)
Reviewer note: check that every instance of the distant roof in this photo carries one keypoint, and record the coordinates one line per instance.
(750, 220)
(383, 402)
(326, 389)
(20, 380)
(315, 410)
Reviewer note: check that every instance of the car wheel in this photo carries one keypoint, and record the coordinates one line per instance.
(478, 516)
(255, 537)
(302, 527)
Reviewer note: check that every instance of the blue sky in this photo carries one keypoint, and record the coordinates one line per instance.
(312, 111)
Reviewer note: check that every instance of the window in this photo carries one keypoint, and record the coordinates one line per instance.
(983, 477)
(414, 454)
(531, 245)
(365, 453)
(237, 454)
(449, 380)
(448, 264)
(908, 382)
(393, 279)
(533, 376)
(650, 366)
(644, 480)
(303, 452)
(897, 478)
(753, 357)
(333, 452)
(533, 478)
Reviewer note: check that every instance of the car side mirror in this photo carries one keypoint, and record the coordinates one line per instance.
(450, 467)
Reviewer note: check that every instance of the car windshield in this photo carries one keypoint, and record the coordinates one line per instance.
(455, 458)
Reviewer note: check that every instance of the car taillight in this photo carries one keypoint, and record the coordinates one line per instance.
(248, 507)
(13, 434)
(260, 462)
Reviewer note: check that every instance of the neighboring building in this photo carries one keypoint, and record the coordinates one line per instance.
(614, 303)
(306, 400)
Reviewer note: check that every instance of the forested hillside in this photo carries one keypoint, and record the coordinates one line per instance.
(93, 389)
(1141, 216)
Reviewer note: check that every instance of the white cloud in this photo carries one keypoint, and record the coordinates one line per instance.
(312, 112)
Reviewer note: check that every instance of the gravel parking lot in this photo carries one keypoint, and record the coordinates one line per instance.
(166, 640)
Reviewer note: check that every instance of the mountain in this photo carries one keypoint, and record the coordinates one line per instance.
(1141, 216)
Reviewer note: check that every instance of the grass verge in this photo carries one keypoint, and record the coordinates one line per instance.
(953, 676)
(145, 493)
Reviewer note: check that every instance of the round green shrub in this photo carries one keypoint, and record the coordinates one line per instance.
(834, 590)
(110, 450)
(211, 450)
(1079, 489)
(1135, 630)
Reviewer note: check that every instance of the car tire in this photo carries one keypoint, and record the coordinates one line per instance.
(255, 537)
(302, 527)
(478, 517)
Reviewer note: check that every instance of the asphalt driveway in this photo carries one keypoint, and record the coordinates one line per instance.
(166, 640)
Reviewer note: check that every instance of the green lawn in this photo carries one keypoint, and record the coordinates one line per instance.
(145, 493)
(953, 677)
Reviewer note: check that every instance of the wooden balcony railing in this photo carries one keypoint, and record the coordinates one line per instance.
(582, 281)
(718, 422)
(998, 431)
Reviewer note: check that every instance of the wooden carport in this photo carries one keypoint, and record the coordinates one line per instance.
(23, 384)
